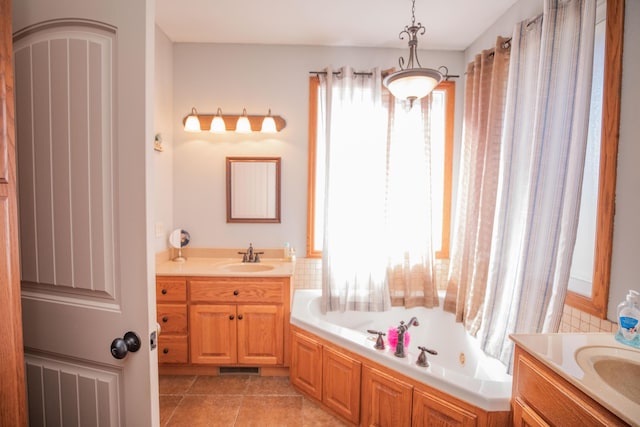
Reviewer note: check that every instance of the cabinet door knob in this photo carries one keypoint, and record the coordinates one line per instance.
(239, 316)
(231, 317)
(236, 292)
(165, 319)
(165, 350)
(164, 292)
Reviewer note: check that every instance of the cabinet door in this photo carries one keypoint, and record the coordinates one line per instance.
(213, 334)
(525, 416)
(171, 289)
(341, 384)
(386, 401)
(306, 365)
(429, 410)
(172, 318)
(260, 334)
(173, 349)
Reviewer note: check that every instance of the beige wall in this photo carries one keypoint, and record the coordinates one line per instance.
(258, 77)
(163, 161)
(208, 76)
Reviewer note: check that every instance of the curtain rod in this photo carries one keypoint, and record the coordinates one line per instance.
(335, 73)
(445, 76)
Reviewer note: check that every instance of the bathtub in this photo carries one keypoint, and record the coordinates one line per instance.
(460, 368)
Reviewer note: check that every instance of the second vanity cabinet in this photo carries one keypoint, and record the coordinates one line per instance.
(541, 398)
(230, 321)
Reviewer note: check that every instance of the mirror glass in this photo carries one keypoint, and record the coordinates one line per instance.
(591, 267)
(253, 189)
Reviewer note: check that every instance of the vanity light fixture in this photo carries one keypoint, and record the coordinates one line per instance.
(241, 123)
(412, 82)
(268, 124)
(192, 122)
(217, 124)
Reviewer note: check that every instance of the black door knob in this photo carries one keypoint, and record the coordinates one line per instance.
(129, 343)
(239, 316)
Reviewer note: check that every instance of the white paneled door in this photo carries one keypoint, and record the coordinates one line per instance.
(85, 251)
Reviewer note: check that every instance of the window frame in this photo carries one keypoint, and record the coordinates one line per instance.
(448, 87)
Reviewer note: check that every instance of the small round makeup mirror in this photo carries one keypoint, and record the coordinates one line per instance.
(179, 238)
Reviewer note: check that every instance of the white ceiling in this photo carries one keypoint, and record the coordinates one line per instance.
(450, 24)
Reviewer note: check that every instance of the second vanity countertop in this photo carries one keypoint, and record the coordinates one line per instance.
(565, 354)
(226, 267)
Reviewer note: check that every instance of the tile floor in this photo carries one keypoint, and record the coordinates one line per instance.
(237, 401)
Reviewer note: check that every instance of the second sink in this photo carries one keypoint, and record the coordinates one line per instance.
(618, 368)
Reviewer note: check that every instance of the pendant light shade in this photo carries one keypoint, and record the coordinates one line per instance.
(268, 124)
(217, 123)
(192, 123)
(243, 125)
(412, 82)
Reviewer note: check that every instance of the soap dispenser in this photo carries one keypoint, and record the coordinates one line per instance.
(628, 318)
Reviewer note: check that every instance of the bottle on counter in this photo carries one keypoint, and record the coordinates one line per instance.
(628, 320)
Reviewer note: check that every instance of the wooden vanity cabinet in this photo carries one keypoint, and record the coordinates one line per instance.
(238, 321)
(222, 321)
(541, 397)
(171, 314)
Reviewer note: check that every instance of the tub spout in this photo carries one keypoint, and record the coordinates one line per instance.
(401, 330)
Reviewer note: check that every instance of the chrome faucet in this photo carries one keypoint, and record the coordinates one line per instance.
(250, 255)
(401, 330)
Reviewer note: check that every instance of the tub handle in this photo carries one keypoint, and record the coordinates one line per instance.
(379, 342)
(422, 358)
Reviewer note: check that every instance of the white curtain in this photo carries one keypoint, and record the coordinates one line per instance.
(409, 226)
(354, 262)
(486, 85)
(377, 223)
(542, 160)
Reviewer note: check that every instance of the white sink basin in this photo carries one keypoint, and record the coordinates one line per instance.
(616, 367)
(247, 267)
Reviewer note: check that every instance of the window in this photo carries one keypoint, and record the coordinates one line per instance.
(442, 120)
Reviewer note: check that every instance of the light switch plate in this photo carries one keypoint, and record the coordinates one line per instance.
(159, 229)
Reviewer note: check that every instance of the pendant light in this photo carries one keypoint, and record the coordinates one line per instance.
(268, 124)
(412, 82)
(192, 123)
(243, 125)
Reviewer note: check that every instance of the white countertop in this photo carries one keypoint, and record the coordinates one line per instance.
(220, 267)
(558, 352)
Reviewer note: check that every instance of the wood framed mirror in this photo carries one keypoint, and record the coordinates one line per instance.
(596, 303)
(253, 189)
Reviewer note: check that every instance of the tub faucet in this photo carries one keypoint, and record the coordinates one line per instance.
(401, 330)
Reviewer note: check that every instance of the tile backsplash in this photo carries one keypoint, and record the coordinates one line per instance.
(308, 275)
